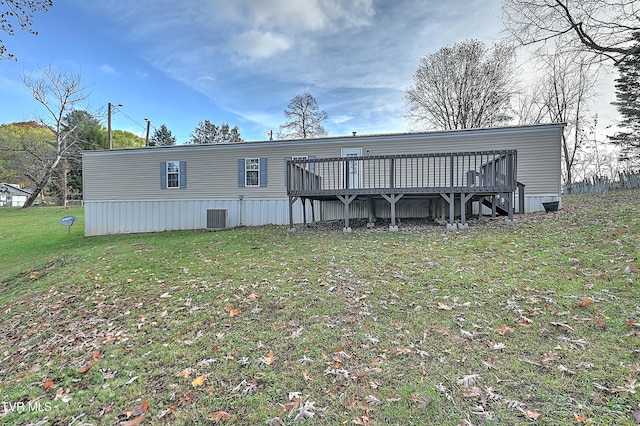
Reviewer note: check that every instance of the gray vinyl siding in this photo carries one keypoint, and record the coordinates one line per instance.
(127, 176)
(213, 169)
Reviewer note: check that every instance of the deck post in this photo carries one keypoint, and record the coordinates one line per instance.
(393, 199)
(464, 199)
(304, 210)
(509, 197)
(346, 200)
(450, 198)
(291, 201)
(372, 212)
(520, 197)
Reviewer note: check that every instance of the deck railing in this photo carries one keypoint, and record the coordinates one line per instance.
(482, 171)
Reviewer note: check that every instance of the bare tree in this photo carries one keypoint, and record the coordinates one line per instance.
(59, 91)
(602, 27)
(20, 11)
(304, 119)
(529, 106)
(463, 86)
(568, 89)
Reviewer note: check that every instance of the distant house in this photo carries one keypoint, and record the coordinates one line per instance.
(284, 182)
(12, 195)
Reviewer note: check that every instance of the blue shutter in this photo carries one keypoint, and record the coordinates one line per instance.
(286, 170)
(263, 172)
(163, 175)
(183, 174)
(241, 173)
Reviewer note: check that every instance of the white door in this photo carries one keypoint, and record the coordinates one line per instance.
(353, 167)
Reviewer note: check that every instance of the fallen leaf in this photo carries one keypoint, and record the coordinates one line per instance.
(444, 306)
(579, 418)
(373, 400)
(304, 412)
(619, 232)
(469, 380)
(563, 326)
(233, 312)
(198, 381)
(61, 395)
(636, 413)
(424, 402)
(600, 323)
(219, 416)
(138, 410)
(85, 368)
(586, 301)
(472, 392)
(106, 409)
(268, 360)
(364, 420)
(504, 329)
(188, 399)
(184, 373)
(167, 412)
(96, 357)
(48, 384)
(533, 415)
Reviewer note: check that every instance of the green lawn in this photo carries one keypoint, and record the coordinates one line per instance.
(533, 323)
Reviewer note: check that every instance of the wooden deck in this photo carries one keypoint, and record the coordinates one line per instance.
(467, 176)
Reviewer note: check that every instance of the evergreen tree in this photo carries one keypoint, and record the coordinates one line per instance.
(162, 137)
(628, 104)
(208, 132)
(85, 129)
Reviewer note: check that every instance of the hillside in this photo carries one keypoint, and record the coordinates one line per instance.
(537, 322)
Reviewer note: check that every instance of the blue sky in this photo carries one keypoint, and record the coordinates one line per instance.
(241, 61)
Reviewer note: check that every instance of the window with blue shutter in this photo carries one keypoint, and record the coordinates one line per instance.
(163, 175)
(241, 172)
(173, 174)
(183, 174)
(252, 172)
(263, 172)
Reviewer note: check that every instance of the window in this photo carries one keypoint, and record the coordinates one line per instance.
(252, 171)
(173, 174)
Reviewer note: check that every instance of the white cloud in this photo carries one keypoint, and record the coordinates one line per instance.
(108, 69)
(256, 44)
(342, 119)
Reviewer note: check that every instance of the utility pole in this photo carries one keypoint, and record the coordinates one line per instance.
(146, 143)
(109, 107)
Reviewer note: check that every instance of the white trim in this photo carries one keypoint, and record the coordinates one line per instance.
(248, 161)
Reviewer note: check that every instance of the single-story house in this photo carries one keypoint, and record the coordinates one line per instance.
(12, 195)
(183, 187)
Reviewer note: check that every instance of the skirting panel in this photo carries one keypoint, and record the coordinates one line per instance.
(124, 217)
